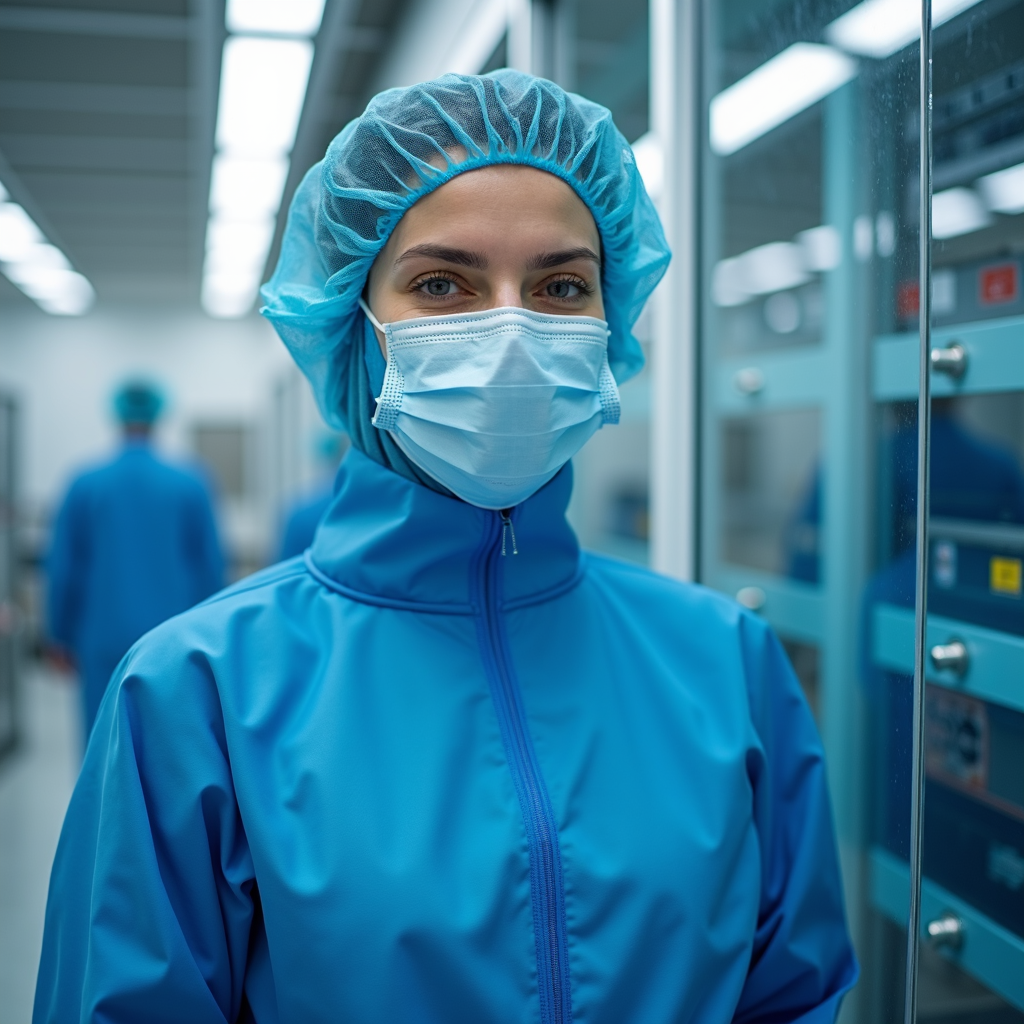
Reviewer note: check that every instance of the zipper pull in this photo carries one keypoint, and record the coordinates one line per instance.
(507, 527)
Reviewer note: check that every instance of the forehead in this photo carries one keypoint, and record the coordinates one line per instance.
(507, 198)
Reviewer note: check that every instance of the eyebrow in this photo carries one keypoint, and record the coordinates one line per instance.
(547, 260)
(447, 254)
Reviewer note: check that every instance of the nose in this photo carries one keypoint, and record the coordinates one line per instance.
(509, 292)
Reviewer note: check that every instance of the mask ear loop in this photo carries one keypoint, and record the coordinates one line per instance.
(369, 315)
(389, 402)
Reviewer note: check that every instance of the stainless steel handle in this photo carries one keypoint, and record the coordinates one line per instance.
(951, 360)
(945, 931)
(749, 380)
(951, 657)
(753, 598)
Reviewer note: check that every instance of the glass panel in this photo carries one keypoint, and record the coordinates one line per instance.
(601, 51)
(973, 835)
(807, 666)
(809, 254)
(771, 493)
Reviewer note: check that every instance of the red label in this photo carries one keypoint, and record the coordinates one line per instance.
(998, 284)
(907, 303)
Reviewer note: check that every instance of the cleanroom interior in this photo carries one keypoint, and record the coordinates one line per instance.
(148, 153)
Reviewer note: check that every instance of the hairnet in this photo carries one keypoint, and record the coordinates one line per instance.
(408, 143)
(138, 401)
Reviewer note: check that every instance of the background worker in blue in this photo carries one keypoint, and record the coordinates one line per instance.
(447, 767)
(133, 544)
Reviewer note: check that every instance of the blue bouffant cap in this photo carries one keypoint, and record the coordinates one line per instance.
(408, 143)
(138, 401)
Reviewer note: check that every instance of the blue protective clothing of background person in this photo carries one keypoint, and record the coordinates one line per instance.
(133, 544)
(411, 778)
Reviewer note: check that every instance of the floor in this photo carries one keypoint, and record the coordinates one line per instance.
(35, 786)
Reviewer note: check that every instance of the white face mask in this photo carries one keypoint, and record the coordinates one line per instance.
(493, 404)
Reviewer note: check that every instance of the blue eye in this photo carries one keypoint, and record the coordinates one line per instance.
(563, 290)
(439, 286)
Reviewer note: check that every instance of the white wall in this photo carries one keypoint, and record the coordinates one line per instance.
(64, 371)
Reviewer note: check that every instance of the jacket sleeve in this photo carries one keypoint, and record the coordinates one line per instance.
(150, 902)
(802, 961)
(66, 566)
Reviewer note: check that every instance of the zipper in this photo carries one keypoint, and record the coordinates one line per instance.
(547, 891)
(507, 527)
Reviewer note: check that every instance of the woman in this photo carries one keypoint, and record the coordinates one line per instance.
(446, 768)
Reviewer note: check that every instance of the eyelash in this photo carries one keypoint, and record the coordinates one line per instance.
(435, 275)
(585, 289)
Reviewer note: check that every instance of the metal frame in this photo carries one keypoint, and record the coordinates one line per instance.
(676, 120)
(924, 422)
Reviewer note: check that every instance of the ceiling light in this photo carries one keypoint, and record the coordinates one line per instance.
(262, 89)
(772, 268)
(1004, 190)
(650, 162)
(38, 268)
(878, 28)
(957, 211)
(275, 17)
(44, 255)
(820, 247)
(64, 290)
(228, 297)
(18, 232)
(776, 91)
(245, 242)
(247, 189)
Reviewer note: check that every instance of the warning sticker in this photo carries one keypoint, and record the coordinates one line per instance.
(1004, 576)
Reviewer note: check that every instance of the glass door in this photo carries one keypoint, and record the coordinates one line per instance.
(809, 233)
(972, 889)
(806, 239)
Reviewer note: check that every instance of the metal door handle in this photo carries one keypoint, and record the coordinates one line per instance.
(951, 657)
(951, 360)
(749, 380)
(945, 931)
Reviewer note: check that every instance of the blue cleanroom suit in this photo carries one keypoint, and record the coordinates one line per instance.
(410, 778)
(133, 544)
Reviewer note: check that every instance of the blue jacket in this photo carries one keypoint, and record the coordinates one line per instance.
(133, 544)
(412, 778)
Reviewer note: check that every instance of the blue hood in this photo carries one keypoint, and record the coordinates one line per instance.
(391, 542)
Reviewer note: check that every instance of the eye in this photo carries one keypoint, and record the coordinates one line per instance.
(437, 286)
(565, 288)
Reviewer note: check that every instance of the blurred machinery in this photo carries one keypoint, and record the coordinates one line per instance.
(808, 451)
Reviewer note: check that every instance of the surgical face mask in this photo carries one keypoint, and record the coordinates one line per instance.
(493, 404)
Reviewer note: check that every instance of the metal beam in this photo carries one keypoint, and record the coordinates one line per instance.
(86, 98)
(85, 152)
(204, 53)
(330, 46)
(95, 23)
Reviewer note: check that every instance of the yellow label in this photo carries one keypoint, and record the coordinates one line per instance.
(1004, 575)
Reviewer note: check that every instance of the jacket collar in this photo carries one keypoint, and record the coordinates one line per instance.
(387, 540)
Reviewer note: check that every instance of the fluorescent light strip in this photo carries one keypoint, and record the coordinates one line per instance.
(958, 211)
(262, 91)
(1004, 190)
(38, 268)
(776, 267)
(776, 91)
(274, 17)
(878, 28)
